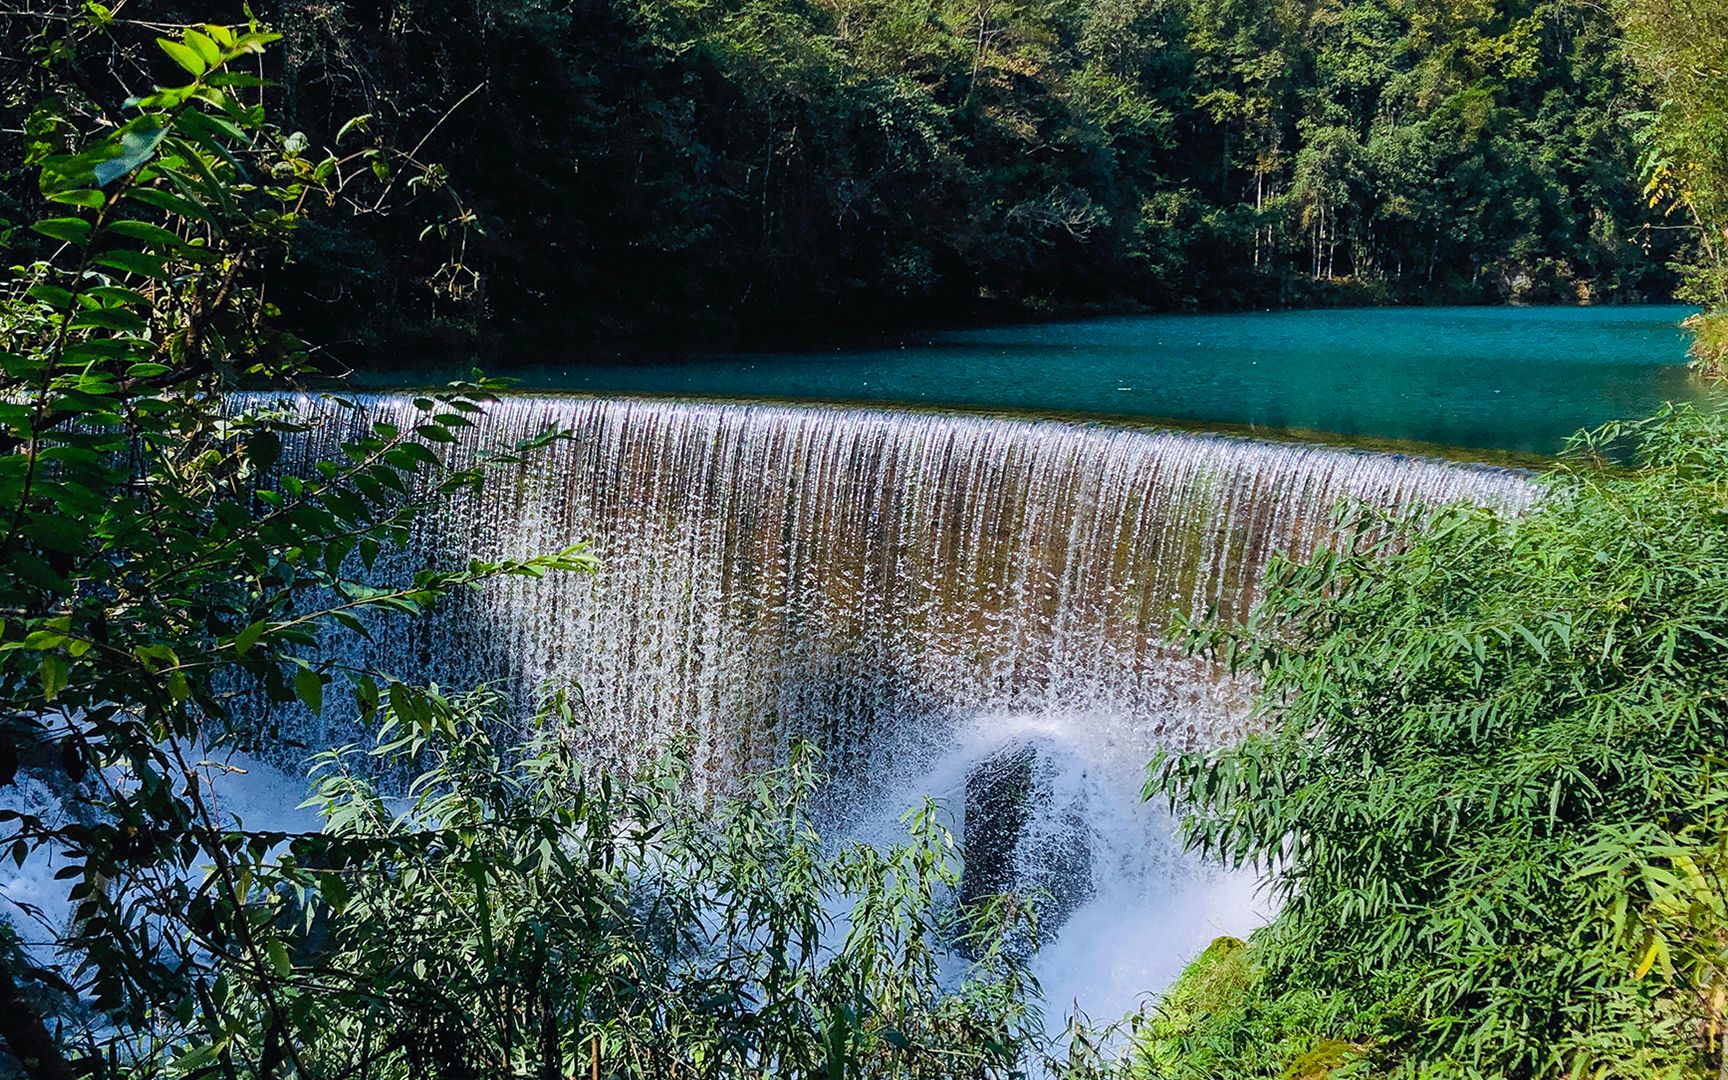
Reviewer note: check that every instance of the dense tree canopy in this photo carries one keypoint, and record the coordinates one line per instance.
(652, 171)
(1682, 46)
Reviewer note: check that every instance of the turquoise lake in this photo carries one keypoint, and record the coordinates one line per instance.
(1511, 379)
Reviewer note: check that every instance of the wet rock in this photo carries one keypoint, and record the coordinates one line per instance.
(1023, 839)
(998, 792)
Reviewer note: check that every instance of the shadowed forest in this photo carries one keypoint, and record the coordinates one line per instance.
(712, 172)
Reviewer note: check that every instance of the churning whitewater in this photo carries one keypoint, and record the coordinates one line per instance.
(916, 593)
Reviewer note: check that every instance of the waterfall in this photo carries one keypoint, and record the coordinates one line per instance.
(927, 596)
(847, 574)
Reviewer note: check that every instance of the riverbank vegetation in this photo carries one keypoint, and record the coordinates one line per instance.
(616, 172)
(1490, 793)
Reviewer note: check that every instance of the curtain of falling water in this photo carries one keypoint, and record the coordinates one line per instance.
(848, 574)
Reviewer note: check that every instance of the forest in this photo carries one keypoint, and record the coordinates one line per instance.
(664, 174)
(1485, 775)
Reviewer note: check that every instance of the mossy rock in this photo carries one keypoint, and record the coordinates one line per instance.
(1318, 1061)
(1215, 983)
(1216, 980)
(1217, 1020)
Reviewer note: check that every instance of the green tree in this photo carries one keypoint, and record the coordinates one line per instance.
(1682, 47)
(1327, 176)
(154, 563)
(1488, 790)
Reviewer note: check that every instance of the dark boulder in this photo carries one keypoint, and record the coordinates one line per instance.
(1023, 839)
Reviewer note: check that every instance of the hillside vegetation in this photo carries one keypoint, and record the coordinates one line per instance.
(657, 171)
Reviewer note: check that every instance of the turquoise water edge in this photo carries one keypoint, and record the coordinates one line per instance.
(1518, 380)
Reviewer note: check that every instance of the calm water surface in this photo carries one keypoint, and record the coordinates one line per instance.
(1516, 379)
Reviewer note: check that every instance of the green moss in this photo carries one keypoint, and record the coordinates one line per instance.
(1209, 993)
(1218, 979)
(1222, 1018)
(1317, 1062)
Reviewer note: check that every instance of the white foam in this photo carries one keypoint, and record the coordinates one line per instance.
(1154, 907)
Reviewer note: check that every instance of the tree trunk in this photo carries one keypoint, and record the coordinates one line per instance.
(1259, 208)
(25, 1033)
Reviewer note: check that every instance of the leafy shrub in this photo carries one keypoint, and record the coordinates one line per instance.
(1489, 787)
(521, 914)
(1710, 343)
(152, 563)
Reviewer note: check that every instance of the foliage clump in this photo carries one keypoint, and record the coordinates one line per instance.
(1490, 788)
(515, 912)
(1681, 46)
(1710, 343)
(1217, 977)
(156, 566)
(1224, 1017)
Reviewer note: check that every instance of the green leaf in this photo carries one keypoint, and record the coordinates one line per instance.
(55, 675)
(279, 959)
(171, 203)
(69, 229)
(169, 98)
(144, 232)
(53, 295)
(206, 49)
(335, 891)
(132, 262)
(235, 78)
(358, 123)
(245, 639)
(264, 448)
(88, 198)
(310, 689)
(128, 148)
(110, 319)
(212, 131)
(482, 906)
(255, 41)
(115, 294)
(184, 55)
(196, 1059)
